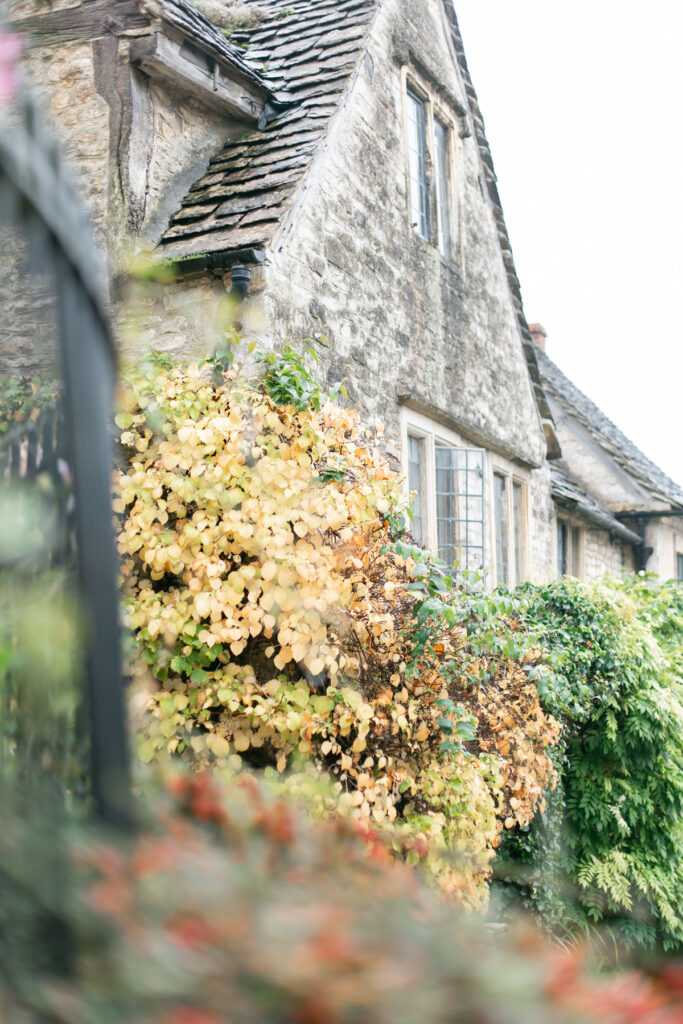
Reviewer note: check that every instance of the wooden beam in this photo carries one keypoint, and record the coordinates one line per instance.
(189, 69)
(75, 24)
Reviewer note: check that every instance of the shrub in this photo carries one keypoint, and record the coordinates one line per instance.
(287, 629)
(230, 907)
(610, 847)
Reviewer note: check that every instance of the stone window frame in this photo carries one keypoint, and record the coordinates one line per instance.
(435, 109)
(418, 424)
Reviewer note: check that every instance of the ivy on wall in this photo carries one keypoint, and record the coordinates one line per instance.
(609, 849)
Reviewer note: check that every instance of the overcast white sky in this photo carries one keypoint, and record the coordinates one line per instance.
(583, 105)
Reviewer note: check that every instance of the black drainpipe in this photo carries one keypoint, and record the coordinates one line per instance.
(240, 276)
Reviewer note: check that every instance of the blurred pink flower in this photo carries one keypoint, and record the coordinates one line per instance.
(10, 50)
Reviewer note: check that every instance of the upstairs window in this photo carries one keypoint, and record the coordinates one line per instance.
(679, 567)
(429, 144)
(441, 136)
(417, 165)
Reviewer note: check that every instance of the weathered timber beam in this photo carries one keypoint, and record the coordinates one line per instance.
(188, 69)
(76, 24)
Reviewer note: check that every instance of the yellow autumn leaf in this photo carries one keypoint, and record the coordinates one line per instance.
(268, 570)
(241, 741)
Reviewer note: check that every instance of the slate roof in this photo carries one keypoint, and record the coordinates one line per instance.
(568, 492)
(310, 49)
(622, 450)
(191, 22)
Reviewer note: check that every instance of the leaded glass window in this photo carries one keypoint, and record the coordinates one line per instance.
(576, 551)
(460, 505)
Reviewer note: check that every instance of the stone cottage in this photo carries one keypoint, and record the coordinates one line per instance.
(615, 510)
(327, 160)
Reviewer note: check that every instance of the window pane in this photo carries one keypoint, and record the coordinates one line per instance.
(679, 568)
(415, 486)
(501, 527)
(518, 528)
(576, 551)
(460, 505)
(417, 166)
(561, 548)
(442, 188)
(446, 490)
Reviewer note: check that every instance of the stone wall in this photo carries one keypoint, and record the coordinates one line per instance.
(184, 318)
(65, 78)
(603, 555)
(180, 137)
(28, 327)
(542, 526)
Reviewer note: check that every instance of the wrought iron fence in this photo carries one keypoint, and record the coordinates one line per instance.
(56, 464)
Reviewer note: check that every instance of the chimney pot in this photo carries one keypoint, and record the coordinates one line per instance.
(539, 334)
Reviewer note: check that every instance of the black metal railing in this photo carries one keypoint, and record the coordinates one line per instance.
(57, 465)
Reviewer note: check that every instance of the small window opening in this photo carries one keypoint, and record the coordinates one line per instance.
(562, 548)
